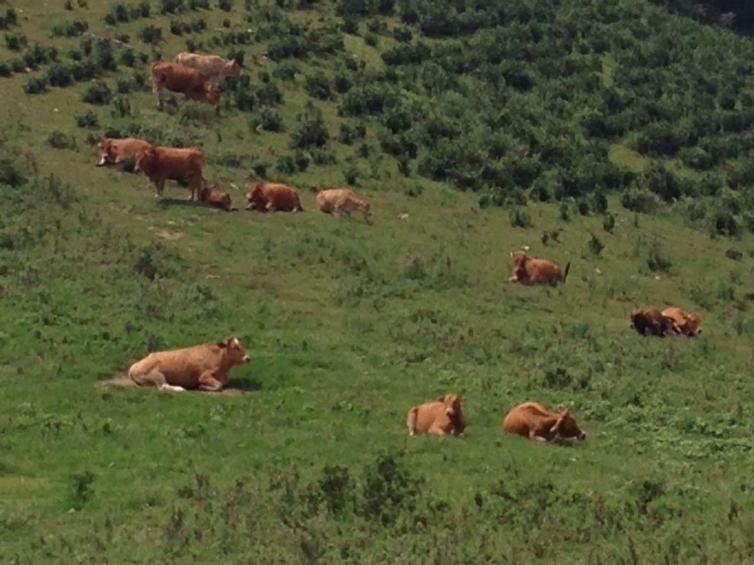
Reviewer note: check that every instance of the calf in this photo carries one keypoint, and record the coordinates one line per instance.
(440, 418)
(180, 164)
(116, 150)
(203, 367)
(183, 80)
(210, 195)
(528, 270)
(682, 323)
(650, 321)
(272, 197)
(336, 201)
(533, 421)
(213, 67)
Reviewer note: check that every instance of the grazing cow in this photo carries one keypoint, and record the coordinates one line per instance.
(117, 150)
(650, 321)
(336, 201)
(533, 421)
(682, 323)
(213, 67)
(272, 197)
(181, 164)
(203, 367)
(440, 418)
(528, 270)
(184, 80)
(217, 198)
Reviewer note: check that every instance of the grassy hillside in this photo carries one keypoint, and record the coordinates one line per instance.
(349, 324)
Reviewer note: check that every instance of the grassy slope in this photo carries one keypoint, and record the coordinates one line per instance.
(343, 342)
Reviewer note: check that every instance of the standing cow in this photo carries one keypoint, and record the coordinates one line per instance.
(213, 67)
(272, 197)
(534, 421)
(183, 80)
(442, 417)
(113, 151)
(180, 164)
(528, 270)
(337, 201)
(203, 367)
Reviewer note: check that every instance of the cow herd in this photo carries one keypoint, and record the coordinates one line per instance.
(206, 367)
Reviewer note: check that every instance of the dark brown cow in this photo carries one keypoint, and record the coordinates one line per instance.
(116, 150)
(184, 80)
(272, 197)
(180, 164)
(528, 270)
(534, 421)
(217, 198)
(650, 321)
(442, 417)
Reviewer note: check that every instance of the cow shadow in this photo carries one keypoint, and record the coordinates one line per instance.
(246, 385)
(180, 202)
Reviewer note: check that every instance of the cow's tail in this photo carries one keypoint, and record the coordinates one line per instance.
(411, 420)
(567, 269)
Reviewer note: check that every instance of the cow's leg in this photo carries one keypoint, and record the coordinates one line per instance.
(171, 388)
(535, 437)
(208, 382)
(152, 378)
(160, 186)
(156, 88)
(270, 207)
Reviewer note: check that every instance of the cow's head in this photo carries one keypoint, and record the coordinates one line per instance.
(452, 405)
(255, 194)
(565, 426)
(211, 93)
(519, 258)
(233, 68)
(106, 151)
(233, 351)
(693, 321)
(144, 160)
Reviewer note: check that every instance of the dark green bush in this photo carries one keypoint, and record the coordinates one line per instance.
(317, 85)
(310, 129)
(639, 201)
(35, 86)
(60, 140)
(225, 5)
(151, 35)
(87, 120)
(5, 70)
(15, 41)
(267, 120)
(70, 29)
(657, 261)
(59, 75)
(97, 93)
(171, 6)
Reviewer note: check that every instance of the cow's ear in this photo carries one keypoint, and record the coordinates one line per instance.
(556, 425)
(565, 412)
(442, 398)
(221, 344)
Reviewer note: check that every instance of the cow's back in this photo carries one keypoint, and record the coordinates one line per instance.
(208, 65)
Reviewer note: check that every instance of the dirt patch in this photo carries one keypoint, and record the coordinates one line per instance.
(122, 381)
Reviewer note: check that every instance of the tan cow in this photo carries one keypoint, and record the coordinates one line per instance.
(117, 150)
(650, 321)
(203, 367)
(682, 323)
(440, 418)
(534, 421)
(272, 197)
(183, 80)
(180, 164)
(213, 67)
(337, 201)
(528, 270)
(217, 198)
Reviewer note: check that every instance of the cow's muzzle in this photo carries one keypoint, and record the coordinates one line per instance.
(582, 437)
(246, 359)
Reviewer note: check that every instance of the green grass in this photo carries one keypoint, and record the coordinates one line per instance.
(348, 325)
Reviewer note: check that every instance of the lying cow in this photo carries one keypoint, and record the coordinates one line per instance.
(528, 270)
(650, 321)
(442, 417)
(180, 164)
(533, 421)
(682, 323)
(337, 201)
(183, 80)
(272, 197)
(213, 67)
(112, 151)
(203, 367)
(210, 195)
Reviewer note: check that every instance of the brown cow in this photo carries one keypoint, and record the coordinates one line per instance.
(440, 418)
(533, 421)
(682, 323)
(650, 321)
(217, 198)
(213, 67)
(528, 270)
(184, 80)
(181, 164)
(336, 201)
(203, 367)
(272, 197)
(117, 150)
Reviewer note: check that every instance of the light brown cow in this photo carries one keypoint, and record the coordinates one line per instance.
(117, 150)
(217, 198)
(213, 67)
(203, 367)
(532, 420)
(272, 197)
(337, 201)
(181, 164)
(682, 323)
(440, 418)
(528, 270)
(183, 80)
(650, 321)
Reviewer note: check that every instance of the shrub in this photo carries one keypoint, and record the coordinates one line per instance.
(724, 223)
(608, 222)
(35, 86)
(403, 34)
(657, 261)
(225, 5)
(350, 134)
(351, 173)
(142, 10)
(87, 120)
(15, 41)
(5, 70)
(285, 165)
(97, 93)
(638, 200)
(595, 245)
(371, 39)
(268, 94)
(285, 70)
(59, 75)
(151, 35)
(9, 19)
(171, 6)
(60, 140)
(317, 85)
(267, 120)
(70, 29)
(520, 218)
(310, 130)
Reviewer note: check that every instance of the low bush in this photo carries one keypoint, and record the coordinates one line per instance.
(97, 93)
